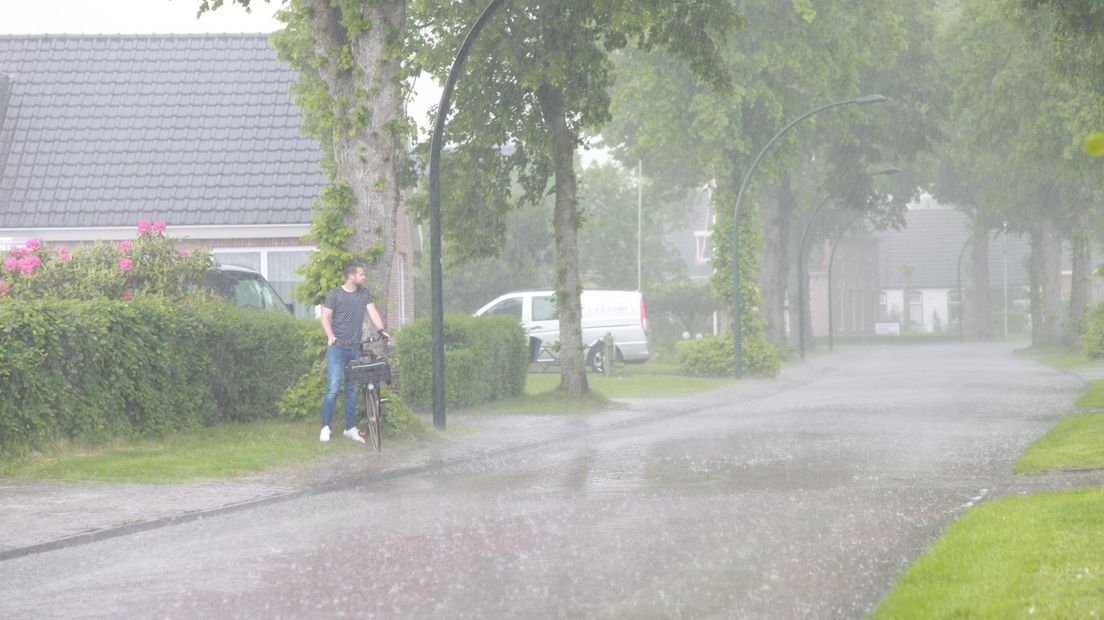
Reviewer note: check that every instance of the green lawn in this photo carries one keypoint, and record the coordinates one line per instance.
(1093, 398)
(1034, 556)
(218, 452)
(636, 382)
(1060, 357)
(1077, 442)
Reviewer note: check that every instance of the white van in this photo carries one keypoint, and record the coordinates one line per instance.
(621, 313)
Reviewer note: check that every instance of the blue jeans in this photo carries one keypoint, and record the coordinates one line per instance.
(336, 358)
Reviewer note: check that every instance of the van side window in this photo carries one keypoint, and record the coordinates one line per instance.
(544, 308)
(511, 307)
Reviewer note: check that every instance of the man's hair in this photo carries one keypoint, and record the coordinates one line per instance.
(352, 266)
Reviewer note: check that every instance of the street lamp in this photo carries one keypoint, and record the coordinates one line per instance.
(831, 302)
(437, 306)
(961, 297)
(802, 276)
(739, 366)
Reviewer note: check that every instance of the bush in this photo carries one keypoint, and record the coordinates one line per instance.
(1092, 342)
(716, 357)
(486, 358)
(102, 368)
(148, 265)
(303, 400)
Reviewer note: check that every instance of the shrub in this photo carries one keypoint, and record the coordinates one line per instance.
(486, 358)
(716, 357)
(101, 368)
(1092, 342)
(148, 265)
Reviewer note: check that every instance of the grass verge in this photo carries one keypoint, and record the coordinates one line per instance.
(1015, 557)
(631, 384)
(1076, 442)
(222, 451)
(1059, 357)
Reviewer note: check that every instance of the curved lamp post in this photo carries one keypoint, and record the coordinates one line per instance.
(961, 296)
(802, 270)
(437, 312)
(802, 285)
(739, 368)
(831, 260)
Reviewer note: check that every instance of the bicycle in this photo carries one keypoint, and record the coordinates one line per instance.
(370, 371)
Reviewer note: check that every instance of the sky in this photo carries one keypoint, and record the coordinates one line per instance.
(130, 17)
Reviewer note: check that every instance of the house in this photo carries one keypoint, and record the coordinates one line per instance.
(872, 272)
(98, 132)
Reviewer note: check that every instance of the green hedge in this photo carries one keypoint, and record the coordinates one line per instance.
(1092, 342)
(716, 357)
(97, 369)
(486, 358)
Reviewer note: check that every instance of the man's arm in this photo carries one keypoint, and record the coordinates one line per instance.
(327, 325)
(376, 320)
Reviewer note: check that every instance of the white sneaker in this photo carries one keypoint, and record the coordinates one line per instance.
(325, 434)
(354, 434)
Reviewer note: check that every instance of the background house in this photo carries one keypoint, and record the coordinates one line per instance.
(872, 272)
(98, 132)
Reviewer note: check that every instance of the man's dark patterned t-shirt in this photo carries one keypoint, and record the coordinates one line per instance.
(348, 315)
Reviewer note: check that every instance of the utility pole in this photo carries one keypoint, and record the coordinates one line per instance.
(639, 215)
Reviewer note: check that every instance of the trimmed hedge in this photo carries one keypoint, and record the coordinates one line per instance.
(716, 357)
(97, 369)
(486, 358)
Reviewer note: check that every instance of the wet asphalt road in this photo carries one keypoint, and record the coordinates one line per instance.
(802, 497)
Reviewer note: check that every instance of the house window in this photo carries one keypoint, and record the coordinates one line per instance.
(854, 310)
(916, 308)
(954, 305)
(701, 246)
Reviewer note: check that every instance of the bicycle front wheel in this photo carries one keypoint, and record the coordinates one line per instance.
(372, 405)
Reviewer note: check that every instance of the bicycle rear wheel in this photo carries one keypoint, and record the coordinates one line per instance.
(372, 405)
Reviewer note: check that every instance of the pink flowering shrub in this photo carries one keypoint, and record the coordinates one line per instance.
(149, 264)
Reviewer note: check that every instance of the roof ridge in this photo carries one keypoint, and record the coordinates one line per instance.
(181, 35)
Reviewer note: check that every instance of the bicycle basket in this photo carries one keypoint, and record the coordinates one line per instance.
(365, 370)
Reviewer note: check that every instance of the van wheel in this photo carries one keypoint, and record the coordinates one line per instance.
(597, 358)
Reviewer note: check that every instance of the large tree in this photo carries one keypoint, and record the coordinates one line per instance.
(1010, 129)
(349, 57)
(536, 80)
(791, 58)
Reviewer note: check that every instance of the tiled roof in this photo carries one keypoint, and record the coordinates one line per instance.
(931, 243)
(192, 129)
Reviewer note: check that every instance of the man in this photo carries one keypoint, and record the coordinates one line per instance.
(343, 321)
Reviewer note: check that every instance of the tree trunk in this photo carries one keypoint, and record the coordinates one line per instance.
(1046, 275)
(776, 207)
(367, 158)
(565, 219)
(978, 303)
(1080, 285)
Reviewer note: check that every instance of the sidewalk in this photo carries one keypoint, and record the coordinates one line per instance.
(57, 514)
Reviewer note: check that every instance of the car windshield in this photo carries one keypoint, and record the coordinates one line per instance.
(245, 289)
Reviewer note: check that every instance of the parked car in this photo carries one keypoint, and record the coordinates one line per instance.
(245, 288)
(620, 313)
